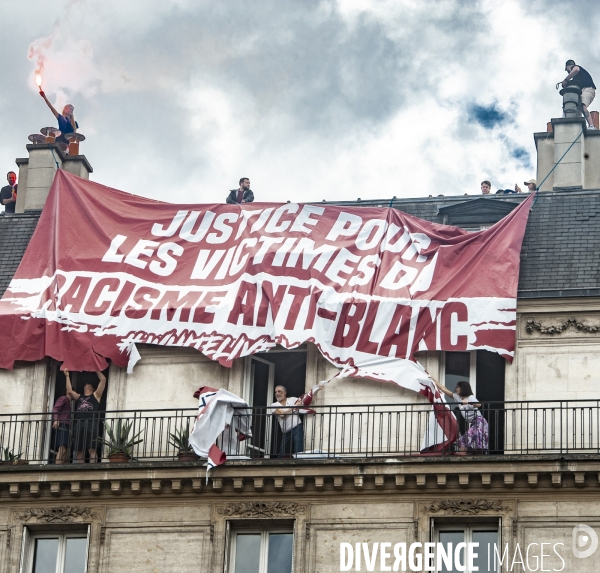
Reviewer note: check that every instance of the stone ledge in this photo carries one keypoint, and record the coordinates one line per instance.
(329, 481)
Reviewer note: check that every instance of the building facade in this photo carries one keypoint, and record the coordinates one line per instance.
(365, 482)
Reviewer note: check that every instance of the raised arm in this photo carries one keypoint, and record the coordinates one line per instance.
(70, 393)
(442, 388)
(101, 386)
(56, 114)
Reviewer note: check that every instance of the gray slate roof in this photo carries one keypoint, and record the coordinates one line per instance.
(15, 232)
(560, 255)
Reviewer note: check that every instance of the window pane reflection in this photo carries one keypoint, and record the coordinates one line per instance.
(44, 559)
(453, 537)
(484, 538)
(75, 555)
(247, 553)
(280, 552)
(458, 367)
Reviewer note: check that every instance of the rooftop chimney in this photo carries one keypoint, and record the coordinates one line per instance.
(571, 147)
(36, 173)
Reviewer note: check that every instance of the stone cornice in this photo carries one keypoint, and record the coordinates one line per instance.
(470, 473)
(558, 305)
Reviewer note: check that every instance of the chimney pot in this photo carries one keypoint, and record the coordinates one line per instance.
(51, 133)
(74, 139)
(571, 101)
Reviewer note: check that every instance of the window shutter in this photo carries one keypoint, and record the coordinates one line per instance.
(25, 551)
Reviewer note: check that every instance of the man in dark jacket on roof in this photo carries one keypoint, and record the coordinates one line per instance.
(8, 194)
(243, 194)
(581, 77)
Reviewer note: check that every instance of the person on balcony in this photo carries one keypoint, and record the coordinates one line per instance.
(87, 406)
(289, 421)
(61, 422)
(477, 437)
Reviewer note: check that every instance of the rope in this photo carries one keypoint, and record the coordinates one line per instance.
(553, 168)
(54, 156)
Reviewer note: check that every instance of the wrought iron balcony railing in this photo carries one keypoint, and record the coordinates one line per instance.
(348, 431)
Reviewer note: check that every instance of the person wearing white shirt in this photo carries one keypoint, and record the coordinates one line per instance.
(289, 421)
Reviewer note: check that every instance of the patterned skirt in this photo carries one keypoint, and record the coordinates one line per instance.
(478, 435)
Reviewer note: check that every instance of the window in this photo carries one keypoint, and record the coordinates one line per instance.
(475, 228)
(59, 441)
(262, 551)
(266, 371)
(485, 372)
(485, 534)
(55, 552)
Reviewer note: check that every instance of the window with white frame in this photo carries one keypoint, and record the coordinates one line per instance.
(55, 552)
(261, 551)
(485, 534)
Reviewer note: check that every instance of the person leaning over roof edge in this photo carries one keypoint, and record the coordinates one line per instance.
(486, 187)
(243, 194)
(531, 186)
(8, 193)
(579, 76)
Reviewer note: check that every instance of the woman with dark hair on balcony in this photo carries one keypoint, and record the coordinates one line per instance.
(477, 437)
(61, 423)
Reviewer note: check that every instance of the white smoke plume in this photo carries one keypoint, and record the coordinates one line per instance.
(66, 63)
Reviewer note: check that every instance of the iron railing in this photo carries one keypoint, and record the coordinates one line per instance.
(336, 431)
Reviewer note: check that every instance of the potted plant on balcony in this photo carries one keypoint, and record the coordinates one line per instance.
(120, 442)
(180, 440)
(9, 457)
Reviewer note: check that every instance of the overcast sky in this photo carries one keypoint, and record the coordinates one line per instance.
(310, 99)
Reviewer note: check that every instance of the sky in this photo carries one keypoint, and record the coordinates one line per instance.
(312, 100)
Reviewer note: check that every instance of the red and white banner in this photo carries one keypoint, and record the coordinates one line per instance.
(369, 286)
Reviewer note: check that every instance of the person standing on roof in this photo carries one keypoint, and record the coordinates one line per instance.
(579, 76)
(8, 193)
(243, 194)
(66, 119)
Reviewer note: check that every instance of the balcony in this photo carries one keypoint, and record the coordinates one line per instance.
(554, 428)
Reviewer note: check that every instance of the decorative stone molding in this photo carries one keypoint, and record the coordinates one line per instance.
(260, 509)
(570, 323)
(64, 514)
(466, 506)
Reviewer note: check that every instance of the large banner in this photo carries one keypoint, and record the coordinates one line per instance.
(369, 286)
